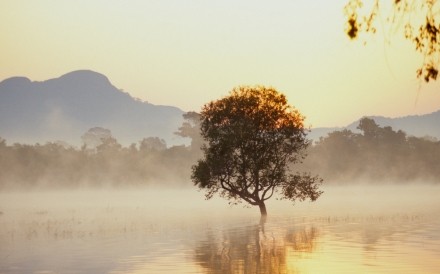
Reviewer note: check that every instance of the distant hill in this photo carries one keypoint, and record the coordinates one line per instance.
(65, 108)
(414, 125)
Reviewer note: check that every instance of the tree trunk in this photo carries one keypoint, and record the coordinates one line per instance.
(262, 209)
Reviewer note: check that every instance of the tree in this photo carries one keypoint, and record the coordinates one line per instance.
(95, 137)
(420, 22)
(152, 144)
(369, 127)
(252, 138)
(190, 129)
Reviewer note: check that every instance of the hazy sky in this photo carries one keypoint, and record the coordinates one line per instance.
(186, 53)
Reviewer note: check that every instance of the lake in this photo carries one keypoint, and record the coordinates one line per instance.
(350, 229)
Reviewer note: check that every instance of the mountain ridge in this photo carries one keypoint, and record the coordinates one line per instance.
(413, 125)
(64, 108)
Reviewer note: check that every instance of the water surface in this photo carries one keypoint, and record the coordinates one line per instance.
(362, 229)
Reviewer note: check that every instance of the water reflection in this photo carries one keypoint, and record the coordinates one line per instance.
(254, 249)
(125, 232)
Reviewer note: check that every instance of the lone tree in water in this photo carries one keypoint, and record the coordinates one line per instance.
(252, 138)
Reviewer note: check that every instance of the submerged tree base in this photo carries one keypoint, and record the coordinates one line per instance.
(263, 210)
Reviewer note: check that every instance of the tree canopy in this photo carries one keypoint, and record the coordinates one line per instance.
(418, 20)
(252, 136)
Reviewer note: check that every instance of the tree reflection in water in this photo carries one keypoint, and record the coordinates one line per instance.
(251, 249)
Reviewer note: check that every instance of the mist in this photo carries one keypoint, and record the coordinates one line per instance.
(157, 230)
(101, 162)
(109, 208)
(378, 155)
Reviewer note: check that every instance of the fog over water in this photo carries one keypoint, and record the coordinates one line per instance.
(107, 208)
(374, 154)
(392, 228)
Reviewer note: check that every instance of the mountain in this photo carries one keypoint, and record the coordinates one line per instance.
(65, 108)
(414, 125)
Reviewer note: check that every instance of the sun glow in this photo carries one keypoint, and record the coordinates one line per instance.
(182, 54)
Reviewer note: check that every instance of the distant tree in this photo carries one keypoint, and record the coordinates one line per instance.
(191, 129)
(109, 146)
(339, 151)
(152, 144)
(252, 136)
(369, 128)
(2, 143)
(418, 20)
(95, 137)
(372, 132)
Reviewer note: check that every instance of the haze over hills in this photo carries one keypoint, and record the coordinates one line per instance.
(413, 125)
(65, 108)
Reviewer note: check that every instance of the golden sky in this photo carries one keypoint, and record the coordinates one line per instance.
(186, 53)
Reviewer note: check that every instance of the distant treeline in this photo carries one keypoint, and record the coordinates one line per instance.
(110, 164)
(376, 154)
(101, 161)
